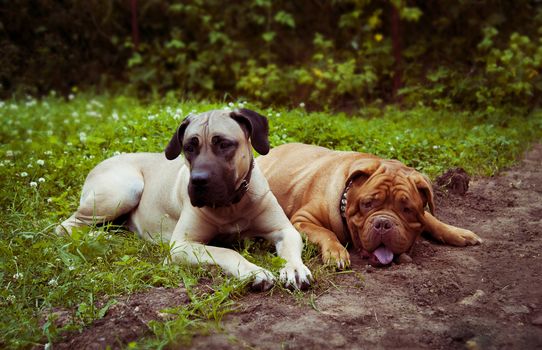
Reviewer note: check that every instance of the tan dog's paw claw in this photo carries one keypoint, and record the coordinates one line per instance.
(263, 281)
(336, 255)
(296, 277)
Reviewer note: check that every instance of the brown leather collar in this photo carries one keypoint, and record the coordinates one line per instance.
(243, 188)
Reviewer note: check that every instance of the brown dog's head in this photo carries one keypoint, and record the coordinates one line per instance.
(217, 147)
(385, 207)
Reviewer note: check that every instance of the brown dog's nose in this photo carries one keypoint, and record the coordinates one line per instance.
(382, 225)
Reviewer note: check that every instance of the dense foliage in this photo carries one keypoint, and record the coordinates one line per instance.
(343, 53)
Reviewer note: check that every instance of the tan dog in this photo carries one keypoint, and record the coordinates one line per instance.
(341, 197)
(215, 189)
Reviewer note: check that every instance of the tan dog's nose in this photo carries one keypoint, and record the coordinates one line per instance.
(200, 178)
(382, 225)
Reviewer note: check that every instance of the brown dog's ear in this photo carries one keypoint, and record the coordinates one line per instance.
(257, 127)
(174, 147)
(423, 184)
(362, 168)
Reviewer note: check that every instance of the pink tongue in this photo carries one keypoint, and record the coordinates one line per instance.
(384, 255)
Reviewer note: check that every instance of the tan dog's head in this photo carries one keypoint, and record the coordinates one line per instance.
(385, 207)
(217, 148)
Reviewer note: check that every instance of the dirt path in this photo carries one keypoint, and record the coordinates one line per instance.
(483, 297)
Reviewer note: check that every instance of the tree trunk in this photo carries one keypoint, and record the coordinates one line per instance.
(397, 53)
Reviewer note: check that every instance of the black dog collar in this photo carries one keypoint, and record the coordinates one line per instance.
(342, 207)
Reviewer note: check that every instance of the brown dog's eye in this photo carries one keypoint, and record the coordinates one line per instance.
(366, 205)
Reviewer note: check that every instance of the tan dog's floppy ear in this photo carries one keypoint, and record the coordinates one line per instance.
(174, 147)
(423, 184)
(257, 127)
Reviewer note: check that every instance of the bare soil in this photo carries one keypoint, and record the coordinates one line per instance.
(482, 297)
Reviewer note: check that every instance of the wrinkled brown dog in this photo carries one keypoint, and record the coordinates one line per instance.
(337, 198)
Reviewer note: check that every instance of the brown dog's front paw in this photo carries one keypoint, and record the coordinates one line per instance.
(462, 238)
(337, 255)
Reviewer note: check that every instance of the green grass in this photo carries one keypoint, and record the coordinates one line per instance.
(48, 146)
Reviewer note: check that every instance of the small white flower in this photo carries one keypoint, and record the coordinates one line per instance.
(47, 346)
(2, 104)
(71, 96)
(436, 147)
(40, 162)
(11, 298)
(71, 267)
(33, 184)
(75, 114)
(302, 105)
(231, 104)
(143, 138)
(29, 166)
(9, 153)
(94, 114)
(28, 140)
(69, 144)
(41, 179)
(13, 106)
(96, 103)
(115, 115)
(49, 200)
(23, 174)
(53, 282)
(277, 114)
(48, 153)
(151, 117)
(17, 276)
(82, 136)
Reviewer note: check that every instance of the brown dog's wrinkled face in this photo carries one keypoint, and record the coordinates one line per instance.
(385, 209)
(218, 153)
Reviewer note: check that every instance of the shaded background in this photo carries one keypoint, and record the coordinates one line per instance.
(343, 53)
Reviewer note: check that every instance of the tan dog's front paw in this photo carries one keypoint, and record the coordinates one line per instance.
(263, 280)
(296, 277)
(335, 254)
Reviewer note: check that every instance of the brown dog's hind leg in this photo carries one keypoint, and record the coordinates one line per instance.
(449, 234)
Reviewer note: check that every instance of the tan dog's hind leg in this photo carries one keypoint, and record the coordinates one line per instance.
(449, 234)
(107, 194)
(333, 252)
